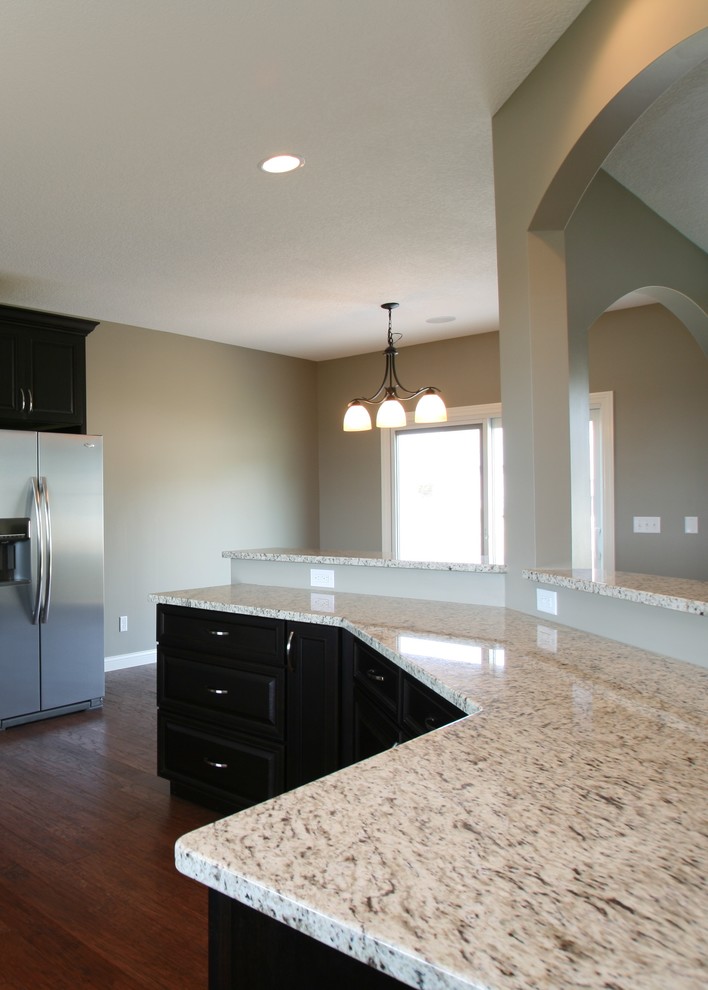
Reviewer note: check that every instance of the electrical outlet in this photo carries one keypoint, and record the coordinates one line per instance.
(647, 524)
(321, 579)
(322, 603)
(690, 524)
(123, 623)
(547, 601)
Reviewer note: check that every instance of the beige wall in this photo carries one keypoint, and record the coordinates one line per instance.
(659, 377)
(207, 447)
(467, 371)
(550, 139)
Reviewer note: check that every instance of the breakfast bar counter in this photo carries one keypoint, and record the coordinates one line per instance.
(555, 838)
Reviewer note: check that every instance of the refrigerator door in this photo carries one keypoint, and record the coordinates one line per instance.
(19, 638)
(71, 629)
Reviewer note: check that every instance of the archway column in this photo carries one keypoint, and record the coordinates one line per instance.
(550, 138)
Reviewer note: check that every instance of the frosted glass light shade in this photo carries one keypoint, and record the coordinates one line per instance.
(430, 408)
(391, 414)
(356, 418)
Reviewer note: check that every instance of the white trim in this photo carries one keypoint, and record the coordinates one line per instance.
(604, 403)
(123, 660)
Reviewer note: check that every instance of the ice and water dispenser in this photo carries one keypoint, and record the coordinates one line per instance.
(14, 550)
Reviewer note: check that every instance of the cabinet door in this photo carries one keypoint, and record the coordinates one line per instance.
(312, 658)
(10, 396)
(55, 377)
(372, 730)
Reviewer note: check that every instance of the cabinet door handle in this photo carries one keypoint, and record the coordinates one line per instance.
(216, 765)
(218, 632)
(212, 690)
(373, 676)
(289, 652)
(31, 401)
(430, 722)
(22, 397)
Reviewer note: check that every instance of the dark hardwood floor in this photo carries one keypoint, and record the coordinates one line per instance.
(89, 895)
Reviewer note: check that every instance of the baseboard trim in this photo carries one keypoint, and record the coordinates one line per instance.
(130, 660)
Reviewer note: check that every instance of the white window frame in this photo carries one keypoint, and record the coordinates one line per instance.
(604, 469)
(603, 404)
(457, 416)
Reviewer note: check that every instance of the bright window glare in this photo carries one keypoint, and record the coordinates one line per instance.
(414, 646)
(439, 487)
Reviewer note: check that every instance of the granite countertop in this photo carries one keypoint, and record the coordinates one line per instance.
(373, 559)
(680, 594)
(555, 839)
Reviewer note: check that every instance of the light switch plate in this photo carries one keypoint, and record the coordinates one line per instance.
(647, 524)
(690, 524)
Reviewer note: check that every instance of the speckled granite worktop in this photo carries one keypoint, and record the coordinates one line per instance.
(680, 594)
(373, 559)
(554, 840)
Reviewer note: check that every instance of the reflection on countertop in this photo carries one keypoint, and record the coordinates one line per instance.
(555, 839)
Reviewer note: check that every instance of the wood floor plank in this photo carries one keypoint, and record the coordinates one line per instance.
(89, 896)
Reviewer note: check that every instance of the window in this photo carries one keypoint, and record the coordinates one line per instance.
(443, 488)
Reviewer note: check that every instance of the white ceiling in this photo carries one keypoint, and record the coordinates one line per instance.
(132, 131)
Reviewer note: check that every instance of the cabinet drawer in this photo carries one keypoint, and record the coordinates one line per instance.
(222, 633)
(372, 731)
(423, 710)
(245, 771)
(377, 676)
(250, 697)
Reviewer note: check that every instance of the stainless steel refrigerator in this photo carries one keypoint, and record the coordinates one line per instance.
(51, 575)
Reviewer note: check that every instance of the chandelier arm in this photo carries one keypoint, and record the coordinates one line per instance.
(411, 393)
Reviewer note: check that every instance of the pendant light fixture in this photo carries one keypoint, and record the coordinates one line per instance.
(390, 395)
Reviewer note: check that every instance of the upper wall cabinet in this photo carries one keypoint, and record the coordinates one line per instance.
(42, 371)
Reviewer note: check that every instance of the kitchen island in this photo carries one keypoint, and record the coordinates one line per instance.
(554, 838)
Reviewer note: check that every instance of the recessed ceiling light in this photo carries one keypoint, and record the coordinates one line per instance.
(282, 163)
(441, 319)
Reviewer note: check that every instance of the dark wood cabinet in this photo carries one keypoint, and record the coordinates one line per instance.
(249, 949)
(248, 706)
(42, 370)
(382, 705)
(313, 701)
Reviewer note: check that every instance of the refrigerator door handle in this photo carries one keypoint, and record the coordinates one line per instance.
(39, 529)
(47, 595)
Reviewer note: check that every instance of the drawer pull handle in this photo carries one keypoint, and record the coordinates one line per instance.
(218, 632)
(217, 690)
(215, 765)
(373, 676)
(430, 722)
